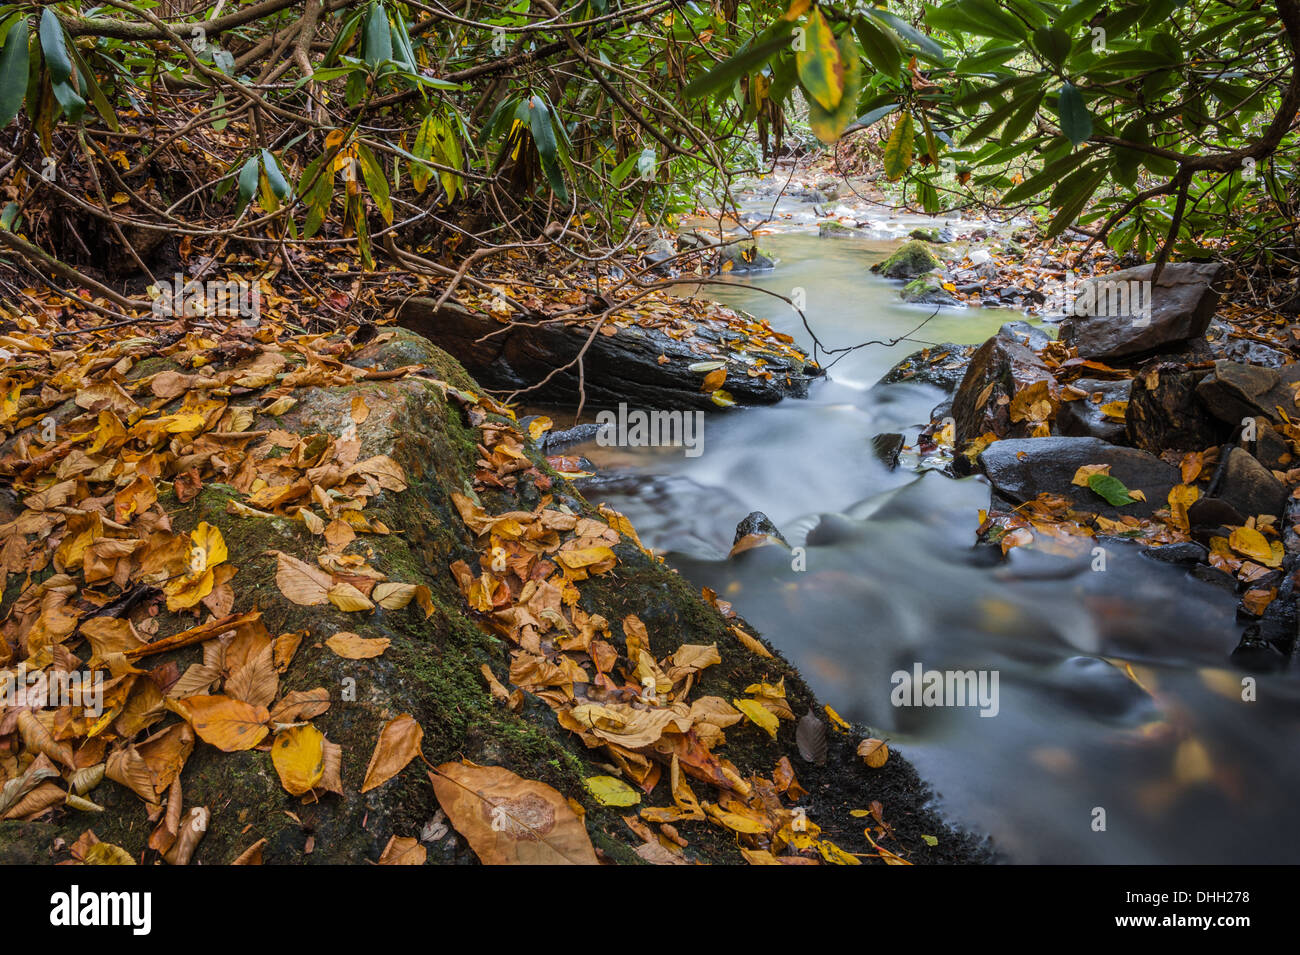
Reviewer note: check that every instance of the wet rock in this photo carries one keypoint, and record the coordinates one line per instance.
(1255, 653)
(1270, 448)
(1021, 469)
(971, 288)
(806, 195)
(1026, 334)
(1234, 391)
(1222, 345)
(1084, 418)
(660, 254)
(1132, 323)
(913, 259)
(1188, 552)
(554, 442)
(757, 524)
(834, 230)
(691, 241)
(1001, 367)
(943, 366)
(928, 290)
(925, 235)
(1247, 486)
(886, 448)
(742, 258)
(624, 367)
(1165, 412)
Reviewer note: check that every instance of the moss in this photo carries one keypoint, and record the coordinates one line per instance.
(912, 259)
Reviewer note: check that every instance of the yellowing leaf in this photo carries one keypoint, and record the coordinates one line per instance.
(298, 755)
(611, 791)
(348, 598)
(228, 724)
(759, 714)
(398, 744)
(351, 646)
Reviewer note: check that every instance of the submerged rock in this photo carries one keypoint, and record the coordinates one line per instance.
(1127, 317)
(928, 290)
(887, 447)
(738, 258)
(757, 524)
(1021, 469)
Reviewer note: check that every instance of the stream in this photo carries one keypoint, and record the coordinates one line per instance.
(1115, 700)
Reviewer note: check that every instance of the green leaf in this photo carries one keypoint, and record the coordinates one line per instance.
(376, 182)
(539, 123)
(275, 176)
(1053, 44)
(880, 46)
(70, 100)
(1076, 122)
(247, 183)
(821, 70)
(55, 47)
(1111, 488)
(423, 149)
(742, 64)
(13, 72)
(379, 40)
(898, 147)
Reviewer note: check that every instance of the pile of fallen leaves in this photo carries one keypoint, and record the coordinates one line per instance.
(95, 448)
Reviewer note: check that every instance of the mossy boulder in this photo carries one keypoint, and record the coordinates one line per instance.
(912, 259)
(927, 290)
(432, 667)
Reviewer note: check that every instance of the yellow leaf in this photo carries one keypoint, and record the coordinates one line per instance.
(1253, 544)
(348, 598)
(610, 791)
(759, 714)
(1088, 470)
(398, 744)
(299, 757)
(874, 752)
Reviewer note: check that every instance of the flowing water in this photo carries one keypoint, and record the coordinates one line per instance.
(1114, 690)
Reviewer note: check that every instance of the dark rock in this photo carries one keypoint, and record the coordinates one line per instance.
(553, 442)
(1001, 367)
(756, 523)
(1270, 448)
(1026, 334)
(1188, 552)
(1233, 391)
(1210, 515)
(1223, 345)
(1247, 486)
(660, 254)
(1084, 418)
(1179, 307)
(886, 447)
(927, 290)
(943, 366)
(1255, 653)
(743, 258)
(971, 288)
(1212, 575)
(911, 260)
(1021, 469)
(619, 368)
(1165, 413)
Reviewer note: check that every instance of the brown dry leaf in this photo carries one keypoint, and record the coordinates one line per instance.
(230, 725)
(352, 646)
(508, 820)
(874, 752)
(360, 410)
(300, 582)
(403, 850)
(347, 598)
(399, 743)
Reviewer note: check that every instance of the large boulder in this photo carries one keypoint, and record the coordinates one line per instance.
(1233, 392)
(1247, 486)
(943, 366)
(1121, 315)
(1001, 367)
(625, 366)
(1021, 469)
(1165, 412)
